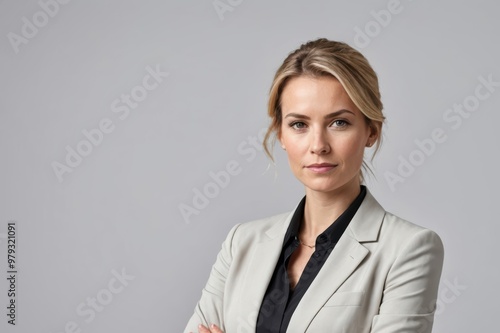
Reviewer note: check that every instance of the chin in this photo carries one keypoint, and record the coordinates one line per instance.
(329, 185)
(322, 186)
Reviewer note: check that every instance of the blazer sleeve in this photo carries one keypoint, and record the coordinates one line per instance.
(210, 308)
(410, 294)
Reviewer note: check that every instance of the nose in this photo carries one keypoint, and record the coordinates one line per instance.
(319, 143)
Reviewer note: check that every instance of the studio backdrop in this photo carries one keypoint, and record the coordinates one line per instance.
(130, 144)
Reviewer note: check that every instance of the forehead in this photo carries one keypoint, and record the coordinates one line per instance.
(307, 94)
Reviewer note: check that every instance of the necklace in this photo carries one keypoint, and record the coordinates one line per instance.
(309, 246)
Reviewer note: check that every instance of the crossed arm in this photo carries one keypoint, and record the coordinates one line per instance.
(409, 295)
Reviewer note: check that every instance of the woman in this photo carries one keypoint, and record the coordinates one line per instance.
(338, 262)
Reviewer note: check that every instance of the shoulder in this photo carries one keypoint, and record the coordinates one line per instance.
(245, 236)
(372, 223)
(396, 225)
(264, 227)
(401, 235)
(265, 222)
(395, 244)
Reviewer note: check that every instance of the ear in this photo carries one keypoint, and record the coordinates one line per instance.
(373, 136)
(278, 137)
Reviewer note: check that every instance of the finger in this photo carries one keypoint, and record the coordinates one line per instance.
(215, 329)
(203, 329)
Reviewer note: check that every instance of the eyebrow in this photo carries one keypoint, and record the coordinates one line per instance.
(328, 116)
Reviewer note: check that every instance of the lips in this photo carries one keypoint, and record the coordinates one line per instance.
(321, 167)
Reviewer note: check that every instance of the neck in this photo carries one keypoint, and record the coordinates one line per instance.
(322, 208)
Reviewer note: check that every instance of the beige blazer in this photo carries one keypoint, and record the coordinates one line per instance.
(382, 277)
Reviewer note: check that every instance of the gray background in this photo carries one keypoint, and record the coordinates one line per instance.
(119, 209)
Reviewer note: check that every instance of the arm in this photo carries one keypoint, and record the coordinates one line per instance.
(410, 293)
(210, 307)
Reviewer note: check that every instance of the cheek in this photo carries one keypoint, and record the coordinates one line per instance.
(294, 146)
(294, 154)
(352, 149)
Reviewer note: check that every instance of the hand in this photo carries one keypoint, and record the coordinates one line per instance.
(213, 329)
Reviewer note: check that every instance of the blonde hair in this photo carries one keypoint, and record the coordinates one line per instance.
(323, 57)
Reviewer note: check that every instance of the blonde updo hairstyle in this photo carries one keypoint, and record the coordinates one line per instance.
(323, 57)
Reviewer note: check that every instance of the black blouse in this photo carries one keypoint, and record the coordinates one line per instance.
(280, 301)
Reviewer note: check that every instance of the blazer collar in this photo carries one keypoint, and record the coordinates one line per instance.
(366, 223)
(260, 270)
(279, 228)
(344, 259)
(342, 262)
(364, 226)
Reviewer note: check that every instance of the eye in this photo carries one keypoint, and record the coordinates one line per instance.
(297, 125)
(340, 123)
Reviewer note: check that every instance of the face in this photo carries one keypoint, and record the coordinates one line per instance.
(323, 133)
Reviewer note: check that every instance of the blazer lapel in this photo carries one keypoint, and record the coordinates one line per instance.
(260, 270)
(342, 262)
